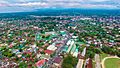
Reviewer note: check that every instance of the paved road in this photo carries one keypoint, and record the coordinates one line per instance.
(80, 63)
(50, 61)
(97, 60)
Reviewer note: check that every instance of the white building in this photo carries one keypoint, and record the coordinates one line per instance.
(71, 45)
(51, 47)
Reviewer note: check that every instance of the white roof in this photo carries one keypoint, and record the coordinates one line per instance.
(68, 43)
(51, 47)
(75, 54)
(73, 49)
(84, 52)
(72, 43)
(74, 36)
(50, 32)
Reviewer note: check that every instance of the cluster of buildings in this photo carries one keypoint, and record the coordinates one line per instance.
(42, 41)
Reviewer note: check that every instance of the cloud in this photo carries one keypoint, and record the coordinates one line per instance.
(32, 4)
(54, 3)
(97, 0)
(68, 4)
(29, 4)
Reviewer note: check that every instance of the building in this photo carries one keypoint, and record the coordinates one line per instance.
(88, 63)
(48, 52)
(73, 49)
(75, 54)
(52, 47)
(41, 63)
(57, 62)
(70, 46)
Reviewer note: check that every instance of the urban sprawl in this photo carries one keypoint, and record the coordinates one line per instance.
(58, 41)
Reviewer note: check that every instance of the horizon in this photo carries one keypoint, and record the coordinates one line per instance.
(64, 12)
(63, 9)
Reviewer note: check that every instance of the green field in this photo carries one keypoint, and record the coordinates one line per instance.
(103, 55)
(112, 63)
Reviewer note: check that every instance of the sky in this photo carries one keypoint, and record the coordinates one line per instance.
(30, 5)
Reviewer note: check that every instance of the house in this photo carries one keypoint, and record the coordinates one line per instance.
(43, 56)
(52, 47)
(50, 33)
(88, 63)
(48, 52)
(40, 63)
(57, 62)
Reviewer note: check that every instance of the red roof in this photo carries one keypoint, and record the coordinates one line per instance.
(89, 64)
(57, 60)
(40, 63)
(58, 45)
(48, 51)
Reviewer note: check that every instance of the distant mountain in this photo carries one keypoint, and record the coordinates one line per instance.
(64, 12)
(76, 11)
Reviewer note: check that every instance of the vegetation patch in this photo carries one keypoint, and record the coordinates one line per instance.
(69, 61)
(103, 55)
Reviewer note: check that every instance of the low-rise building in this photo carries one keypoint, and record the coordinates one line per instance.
(57, 62)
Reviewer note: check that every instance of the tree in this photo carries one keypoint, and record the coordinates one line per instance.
(28, 55)
(69, 61)
(96, 50)
(118, 53)
(23, 65)
(67, 66)
(106, 49)
(90, 54)
(81, 48)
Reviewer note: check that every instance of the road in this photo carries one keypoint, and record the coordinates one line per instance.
(97, 60)
(80, 62)
(50, 61)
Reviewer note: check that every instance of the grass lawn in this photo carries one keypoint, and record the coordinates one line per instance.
(103, 55)
(93, 64)
(112, 63)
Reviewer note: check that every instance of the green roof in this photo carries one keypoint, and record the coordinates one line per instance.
(76, 50)
(80, 42)
(63, 32)
(38, 37)
(65, 49)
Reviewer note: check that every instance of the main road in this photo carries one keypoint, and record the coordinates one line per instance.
(58, 51)
(97, 60)
(80, 62)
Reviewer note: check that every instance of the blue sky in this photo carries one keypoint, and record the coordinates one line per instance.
(29, 5)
